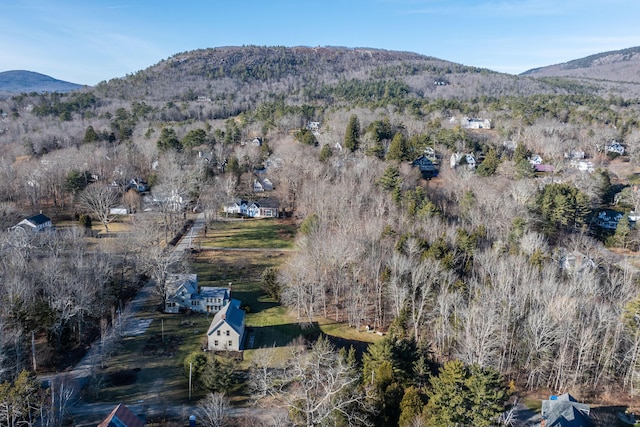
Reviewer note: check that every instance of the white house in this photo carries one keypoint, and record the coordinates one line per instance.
(473, 123)
(458, 158)
(535, 159)
(313, 126)
(34, 223)
(255, 142)
(237, 207)
(183, 293)
(226, 331)
(173, 200)
(583, 165)
(262, 185)
(265, 208)
(119, 210)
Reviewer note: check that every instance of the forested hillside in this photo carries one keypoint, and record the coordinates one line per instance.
(614, 72)
(492, 272)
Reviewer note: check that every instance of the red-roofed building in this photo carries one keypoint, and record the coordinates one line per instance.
(121, 416)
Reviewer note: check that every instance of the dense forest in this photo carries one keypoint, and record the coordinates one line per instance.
(487, 276)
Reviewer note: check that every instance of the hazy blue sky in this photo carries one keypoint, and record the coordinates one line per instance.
(87, 41)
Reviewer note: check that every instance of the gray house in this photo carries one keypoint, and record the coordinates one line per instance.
(34, 223)
(184, 293)
(565, 411)
(226, 331)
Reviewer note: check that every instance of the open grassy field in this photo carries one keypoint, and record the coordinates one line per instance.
(149, 367)
(251, 233)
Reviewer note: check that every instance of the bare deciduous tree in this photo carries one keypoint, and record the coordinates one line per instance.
(320, 386)
(213, 409)
(99, 199)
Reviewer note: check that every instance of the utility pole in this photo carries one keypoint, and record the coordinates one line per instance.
(190, 371)
(33, 351)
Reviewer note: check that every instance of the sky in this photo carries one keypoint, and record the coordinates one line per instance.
(89, 41)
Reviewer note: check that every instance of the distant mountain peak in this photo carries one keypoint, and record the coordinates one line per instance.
(18, 81)
(617, 65)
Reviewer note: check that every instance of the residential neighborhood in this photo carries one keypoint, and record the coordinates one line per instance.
(267, 236)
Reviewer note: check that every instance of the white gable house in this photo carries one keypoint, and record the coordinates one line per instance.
(183, 293)
(237, 207)
(226, 331)
(474, 123)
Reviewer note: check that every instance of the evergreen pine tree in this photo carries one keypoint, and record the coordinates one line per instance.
(410, 407)
(352, 134)
(490, 164)
(397, 148)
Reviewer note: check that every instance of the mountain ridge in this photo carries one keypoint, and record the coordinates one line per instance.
(614, 66)
(297, 69)
(309, 73)
(18, 81)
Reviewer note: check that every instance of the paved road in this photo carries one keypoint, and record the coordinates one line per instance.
(187, 240)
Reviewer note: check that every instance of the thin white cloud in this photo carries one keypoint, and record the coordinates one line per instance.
(505, 8)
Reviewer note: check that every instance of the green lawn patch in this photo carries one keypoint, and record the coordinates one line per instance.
(251, 233)
(532, 403)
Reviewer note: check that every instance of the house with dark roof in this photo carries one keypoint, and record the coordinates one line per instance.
(185, 294)
(426, 165)
(34, 223)
(264, 208)
(226, 331)
(121, 416)
(564, 411)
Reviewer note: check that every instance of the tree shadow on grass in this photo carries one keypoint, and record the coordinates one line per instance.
(255, 302)
(283, 335)
(278, 335)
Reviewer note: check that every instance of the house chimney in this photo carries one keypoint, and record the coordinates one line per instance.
(192, 421)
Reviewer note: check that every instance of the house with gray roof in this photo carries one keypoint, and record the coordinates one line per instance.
(226, 331)
(185, 294)
(34, 223)
(263, 208)
(564, 411)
